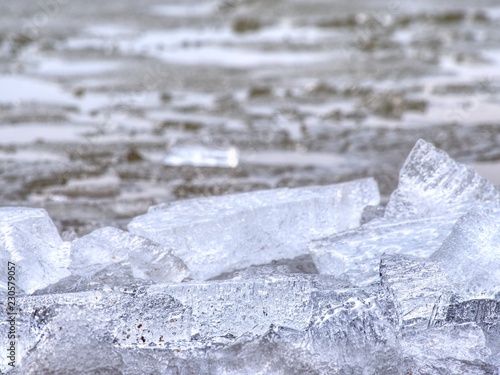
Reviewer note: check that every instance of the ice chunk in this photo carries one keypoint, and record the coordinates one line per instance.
(72, 343)
(176, 315)
(432, 183)
(486, 314)
(419, 288)
(471, 254)
(30, 240)
(355, 255)
(450, 349)
(107, 246)
(221, 234)
(233, 308)
(129, 318)
(200, 156)
(354, 327)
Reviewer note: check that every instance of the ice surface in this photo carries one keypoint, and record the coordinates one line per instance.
(108, 246)
(431, 183)
(200, 156)
(354, 255)
(450, 349)
(419, 288)
(354, 328)
(29, 238)
(220, 234)
(484, 312)
(471, 253)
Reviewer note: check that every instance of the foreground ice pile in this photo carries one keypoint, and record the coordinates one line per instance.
(284, 281)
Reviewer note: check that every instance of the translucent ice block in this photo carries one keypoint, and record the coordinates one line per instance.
(353, 327)
(431, 183)
(431, 349)
(68, 324)
(176, 315)
(107, 246)
(30, 240)
(419, 288)
(220, 234)
(355, 255)
(470, 255)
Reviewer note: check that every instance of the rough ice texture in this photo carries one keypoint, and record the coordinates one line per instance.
(486, 314)
(430, 183)
(462, 342)
(166, 315)
(353, 328)
(233, 308)
(470, 255)
(220, 234)
(419, 288)
(108, 246)
(29, 238)
(355, 255)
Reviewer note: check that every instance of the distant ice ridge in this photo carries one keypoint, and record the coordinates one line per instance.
(413, 290)
(221, 234)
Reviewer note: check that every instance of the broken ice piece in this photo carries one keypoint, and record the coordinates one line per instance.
(220, 234)
(107, 246)
(353, 327)
(30, 240)
(128, 318)
(431, 183)
(419, 288)
(460, 342)
(200, 156)
(486, 314)
(354, 255)
(230, 309)
(470, 255)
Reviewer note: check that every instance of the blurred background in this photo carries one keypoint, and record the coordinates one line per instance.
(108, 107)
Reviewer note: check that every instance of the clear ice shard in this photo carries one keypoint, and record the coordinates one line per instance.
(29, 238)
(430, 183)
(354, 255)
(221, 234)
(108, 246)
(470, 255)
(433, 192)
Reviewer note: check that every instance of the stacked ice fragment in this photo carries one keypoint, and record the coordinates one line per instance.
(226, 285)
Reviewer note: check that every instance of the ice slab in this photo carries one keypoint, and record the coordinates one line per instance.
(175, 315)
(486, 314)
(30, 240)
(109, 246)
(354, 328)
(470, 255)
(200, 156)
(354, 255)
(450, 349)
(221, 234)
(432, 183)
(419, 288)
